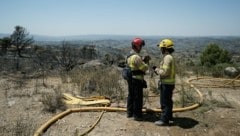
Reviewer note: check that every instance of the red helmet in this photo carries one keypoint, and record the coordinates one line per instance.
(138, 42)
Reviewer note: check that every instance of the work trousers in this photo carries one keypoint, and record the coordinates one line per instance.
(135, 98)
(166, 102)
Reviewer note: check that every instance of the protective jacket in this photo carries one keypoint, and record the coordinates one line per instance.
(137, 65)
(167, 70)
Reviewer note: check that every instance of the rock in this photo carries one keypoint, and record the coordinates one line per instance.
(93, 63)
(231, 72)
(11, 103)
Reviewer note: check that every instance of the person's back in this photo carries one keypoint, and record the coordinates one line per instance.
(138, 66)
(137, 82)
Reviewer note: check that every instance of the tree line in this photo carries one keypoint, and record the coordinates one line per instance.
(68, 56)
(18, 40)
(20, 46)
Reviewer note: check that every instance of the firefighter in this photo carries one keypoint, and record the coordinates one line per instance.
(167, 81)
(138, 66)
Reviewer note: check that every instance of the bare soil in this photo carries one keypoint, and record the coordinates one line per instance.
(22, 113)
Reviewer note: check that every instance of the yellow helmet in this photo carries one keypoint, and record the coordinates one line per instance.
(167, 43)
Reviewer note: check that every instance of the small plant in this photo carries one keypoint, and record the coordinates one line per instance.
(223, 104)
(153, 86)
(53, 101)
(186, 96)
(211, 103)
(104, 81)
(145, 97)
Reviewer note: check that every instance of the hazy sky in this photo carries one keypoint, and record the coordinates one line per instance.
(127, 17)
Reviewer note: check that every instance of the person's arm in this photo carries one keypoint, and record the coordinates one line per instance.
(140, 64)
(164, 69)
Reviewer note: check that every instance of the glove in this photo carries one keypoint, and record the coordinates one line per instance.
(146, 59)
(154, 67)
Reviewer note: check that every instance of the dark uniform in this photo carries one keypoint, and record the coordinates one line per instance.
(166, 82)
(135, 86)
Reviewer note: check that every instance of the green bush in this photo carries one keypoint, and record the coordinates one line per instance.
(218, 69)
(213, 55)
(214, 60)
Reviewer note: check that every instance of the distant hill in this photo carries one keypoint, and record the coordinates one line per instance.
(80, 37)
(95, 37)
(77, 37)
(4, 35)
(190, 43)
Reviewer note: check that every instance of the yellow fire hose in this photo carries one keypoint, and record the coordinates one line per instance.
(92, 127)
(46, 125)
(96, 100)
(229, 82)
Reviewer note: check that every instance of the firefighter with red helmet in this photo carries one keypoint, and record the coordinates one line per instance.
(138, 66)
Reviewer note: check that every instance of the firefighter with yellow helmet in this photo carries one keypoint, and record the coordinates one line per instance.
(167, 81)
(138, 66)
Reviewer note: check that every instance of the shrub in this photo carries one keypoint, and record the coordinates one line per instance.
(53, 101)
(103, 80)
(213, 55)
(218, 69)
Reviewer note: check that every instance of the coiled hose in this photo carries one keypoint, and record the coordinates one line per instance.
(46, 125)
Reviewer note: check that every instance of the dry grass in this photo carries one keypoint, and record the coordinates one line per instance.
(53, 101)
(103, 81)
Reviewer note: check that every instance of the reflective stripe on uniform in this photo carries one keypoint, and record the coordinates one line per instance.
(171, 78)
(135, 63)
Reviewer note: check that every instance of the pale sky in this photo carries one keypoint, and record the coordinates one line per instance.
(124, 17)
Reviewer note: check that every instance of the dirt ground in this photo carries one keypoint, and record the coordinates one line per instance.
(22, 114)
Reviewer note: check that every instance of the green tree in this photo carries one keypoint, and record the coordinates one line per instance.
(213, 55)
(20, 39)
(108, 59)
(88, 52)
